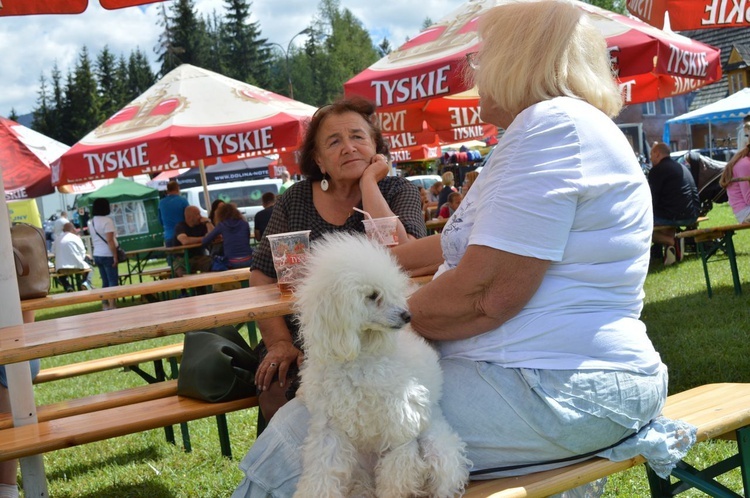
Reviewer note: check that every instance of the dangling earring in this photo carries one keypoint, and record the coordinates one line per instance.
(324, 183)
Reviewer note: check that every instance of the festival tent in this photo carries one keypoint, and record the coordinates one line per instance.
(727, 110)
(135, 211)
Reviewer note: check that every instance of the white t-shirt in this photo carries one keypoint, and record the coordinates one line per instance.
(564, 186)
(101, 225)
(70, 252)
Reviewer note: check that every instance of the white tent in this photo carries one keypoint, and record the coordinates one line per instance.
(727, 110)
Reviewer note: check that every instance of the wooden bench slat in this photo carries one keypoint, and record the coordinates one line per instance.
(99, 402)
(71, 431)
(155, 287)
(108, 363)
(716, 409)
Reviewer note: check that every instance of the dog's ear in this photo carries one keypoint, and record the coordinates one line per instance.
(331, 330)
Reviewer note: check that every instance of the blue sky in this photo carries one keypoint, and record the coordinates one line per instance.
(33, 44)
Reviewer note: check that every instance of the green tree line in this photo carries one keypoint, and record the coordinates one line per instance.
(334, 47)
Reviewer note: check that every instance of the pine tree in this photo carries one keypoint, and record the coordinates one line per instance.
(247, 57)
(140, 77)
(13, 116)
(185, 38)
(83, 104)
(384, 48)
(110, 88)
(41, 113)
(217, 50)
(349, 49)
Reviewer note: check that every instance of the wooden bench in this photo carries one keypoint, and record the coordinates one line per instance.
(709, 241)
(78, 275)
(682, 241)
(139, 289)
(129, 361)
(112, 415)
(690, 227)
(717, 410)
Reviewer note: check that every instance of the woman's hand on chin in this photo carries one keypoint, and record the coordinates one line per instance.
(377, 170)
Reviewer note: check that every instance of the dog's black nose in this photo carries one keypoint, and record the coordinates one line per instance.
(406, 316)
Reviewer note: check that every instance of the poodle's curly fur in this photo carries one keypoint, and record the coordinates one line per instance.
(371, 384)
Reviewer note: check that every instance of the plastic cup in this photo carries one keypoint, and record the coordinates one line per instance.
(289, 251)
(384, 231)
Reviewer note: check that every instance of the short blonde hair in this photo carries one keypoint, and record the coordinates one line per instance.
(448, 178)
(535, 51)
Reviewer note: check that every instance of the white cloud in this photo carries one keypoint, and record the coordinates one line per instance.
(31, 45)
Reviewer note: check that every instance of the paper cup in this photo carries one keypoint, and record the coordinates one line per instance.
(289, 251)
(384, 231)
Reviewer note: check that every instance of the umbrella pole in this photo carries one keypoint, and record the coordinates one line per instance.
(19, 375)
(204, 181)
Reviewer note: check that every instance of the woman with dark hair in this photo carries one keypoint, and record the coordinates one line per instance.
(217, 248)
(214, 211)
(343, 159)
(104, 240)
(234, 230)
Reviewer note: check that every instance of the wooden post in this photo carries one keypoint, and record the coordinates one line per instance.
(19, 375)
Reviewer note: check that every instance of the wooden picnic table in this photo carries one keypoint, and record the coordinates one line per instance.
(71, 334)
(137, 323)
(24, 342)
(709, 241)
(436, 225)
(143, 255)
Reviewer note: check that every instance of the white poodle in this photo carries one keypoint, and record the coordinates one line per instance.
(371, 385)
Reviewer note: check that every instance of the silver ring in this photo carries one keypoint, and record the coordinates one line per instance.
(273, 365)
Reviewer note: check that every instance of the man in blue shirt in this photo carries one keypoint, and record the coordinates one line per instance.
(171, 211)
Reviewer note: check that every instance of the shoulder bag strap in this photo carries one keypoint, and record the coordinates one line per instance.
(21, 263)
(97, 232)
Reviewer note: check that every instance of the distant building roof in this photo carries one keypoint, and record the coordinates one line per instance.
(723, 39)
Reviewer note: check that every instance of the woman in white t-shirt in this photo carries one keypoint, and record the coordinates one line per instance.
(104, 240)
(535, 307)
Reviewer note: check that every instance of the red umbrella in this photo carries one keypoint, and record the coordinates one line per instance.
(189, 115)
(28, 7)
(25, 158)
(687, 15)
(428, 69)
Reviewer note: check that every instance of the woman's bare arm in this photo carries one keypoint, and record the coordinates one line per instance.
(487, 288)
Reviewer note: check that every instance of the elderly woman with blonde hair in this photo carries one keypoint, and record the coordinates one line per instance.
(535, 306)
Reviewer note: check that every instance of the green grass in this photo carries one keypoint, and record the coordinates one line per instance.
(701, 340)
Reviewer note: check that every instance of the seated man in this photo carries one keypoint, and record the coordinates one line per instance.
(674, 197)
(263, 216)
(192, 231)
(70, 257)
